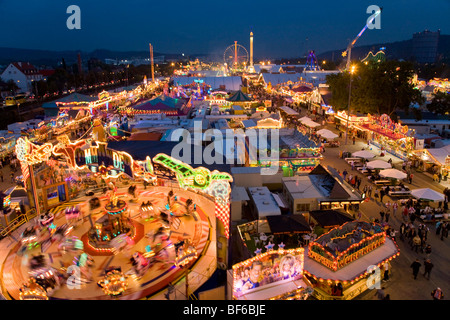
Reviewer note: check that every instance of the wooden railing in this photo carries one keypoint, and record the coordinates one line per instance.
(17, 222)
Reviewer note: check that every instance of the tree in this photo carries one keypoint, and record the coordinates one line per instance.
(440, 103)
(376, 88)
(12, 87)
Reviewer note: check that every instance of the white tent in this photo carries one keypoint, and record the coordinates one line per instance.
(305, 118)
(269, 123)
(427, 194)
(378, 164)
(311, 124)
(393, 173)
(327, 134)
(363, 154)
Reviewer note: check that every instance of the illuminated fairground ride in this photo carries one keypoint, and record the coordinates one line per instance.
(181, 211)
(311, 62)
(236, 57)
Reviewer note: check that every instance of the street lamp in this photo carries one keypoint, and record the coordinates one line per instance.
(352, 70)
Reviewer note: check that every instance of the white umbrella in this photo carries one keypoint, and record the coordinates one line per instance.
(327, 134)
(393, 173)
(427, 194)
(311, 124)
(363, 154)
(305, 118)
(378, 164)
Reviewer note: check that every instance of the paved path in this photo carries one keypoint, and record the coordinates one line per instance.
(401, 286)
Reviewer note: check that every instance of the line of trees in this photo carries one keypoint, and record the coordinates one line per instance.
(376, 88)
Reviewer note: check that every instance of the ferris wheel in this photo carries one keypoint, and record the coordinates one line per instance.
(235, 56)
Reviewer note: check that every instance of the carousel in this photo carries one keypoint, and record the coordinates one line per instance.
(120, 241)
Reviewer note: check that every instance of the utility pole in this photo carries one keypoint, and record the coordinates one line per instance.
(151, 61)
(351, 71)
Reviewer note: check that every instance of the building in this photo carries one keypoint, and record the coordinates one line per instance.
(425, 46)
(430, 123)
(23, 74)
(262, 202)
(321, 189)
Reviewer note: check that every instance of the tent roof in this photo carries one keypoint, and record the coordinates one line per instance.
(74, 97)
(302, 89)
(295, 223)
(330, 218)
(239, 96)
(145, 136)
(161, 102)
(221, 83)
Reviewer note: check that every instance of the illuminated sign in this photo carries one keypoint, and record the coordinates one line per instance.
(31, 153)
(117, 162)
(199, 178)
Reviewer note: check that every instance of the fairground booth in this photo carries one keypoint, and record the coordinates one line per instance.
(298, 153)
(387, 135)
(346, 261)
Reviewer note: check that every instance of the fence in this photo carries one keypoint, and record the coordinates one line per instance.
(17, 222)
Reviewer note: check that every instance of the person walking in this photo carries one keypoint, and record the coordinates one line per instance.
(381, 194)
(402, 231)
(416, 267)
(1, 175)
(428, 250)
(416, 243)
(382, 215)
(344, 173)
(380, 294)
(428, 267)
(438, 227)
(386, 268)
(369, 190)
(444, 230)
(387, 215)
(437, 294)
(394, 209)
(405, 214)
(354, 139)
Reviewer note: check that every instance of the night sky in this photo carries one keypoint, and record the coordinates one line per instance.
(281, 28)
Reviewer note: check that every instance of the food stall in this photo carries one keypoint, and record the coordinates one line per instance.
(346, 261)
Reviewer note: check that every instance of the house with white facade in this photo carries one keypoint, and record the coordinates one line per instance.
(23, 74)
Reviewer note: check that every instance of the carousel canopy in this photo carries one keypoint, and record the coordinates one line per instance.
(378, 164)
(71, 98)
(427, 194)
(330, 218)
(393, 173)
(301, 89)
(239, 96)
(161, 102)
(294, 223)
